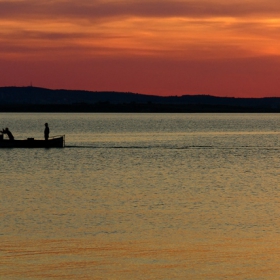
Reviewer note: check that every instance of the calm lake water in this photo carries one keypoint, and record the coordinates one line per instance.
(142, 196)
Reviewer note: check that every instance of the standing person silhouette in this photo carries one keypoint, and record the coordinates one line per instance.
(46, 131)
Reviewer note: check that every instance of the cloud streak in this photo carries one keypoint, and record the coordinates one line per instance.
(93, 10)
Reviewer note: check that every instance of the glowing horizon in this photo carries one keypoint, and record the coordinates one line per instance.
(150, 47)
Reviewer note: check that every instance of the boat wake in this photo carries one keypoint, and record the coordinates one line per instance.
(170, 147)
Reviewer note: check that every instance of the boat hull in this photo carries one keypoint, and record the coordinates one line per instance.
(55, 142)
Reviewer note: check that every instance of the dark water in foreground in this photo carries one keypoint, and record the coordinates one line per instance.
(142, 196)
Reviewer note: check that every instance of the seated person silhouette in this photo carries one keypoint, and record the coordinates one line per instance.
(8, 132)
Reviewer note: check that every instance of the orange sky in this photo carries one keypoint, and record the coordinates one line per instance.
(162, 47)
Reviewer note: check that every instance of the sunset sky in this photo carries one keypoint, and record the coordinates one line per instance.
(161, 47)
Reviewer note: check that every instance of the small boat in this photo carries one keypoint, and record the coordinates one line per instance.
(54, 142)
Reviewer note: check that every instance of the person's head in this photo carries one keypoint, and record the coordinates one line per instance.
(6, 128)
(46, 124)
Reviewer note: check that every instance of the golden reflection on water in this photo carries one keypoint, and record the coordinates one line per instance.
(93, 258)
(161, 204)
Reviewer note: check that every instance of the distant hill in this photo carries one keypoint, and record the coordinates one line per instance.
(25, 98)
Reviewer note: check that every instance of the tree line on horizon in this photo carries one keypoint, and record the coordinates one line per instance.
(25, 98)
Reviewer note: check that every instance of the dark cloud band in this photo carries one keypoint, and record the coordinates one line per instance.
(94, 10)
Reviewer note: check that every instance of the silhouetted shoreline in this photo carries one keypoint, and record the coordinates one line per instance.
(33, 99)
(132, 108)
